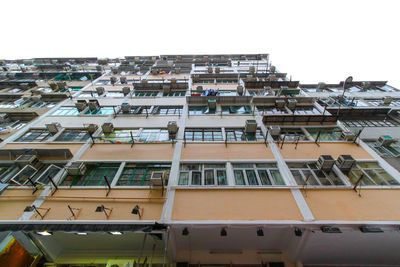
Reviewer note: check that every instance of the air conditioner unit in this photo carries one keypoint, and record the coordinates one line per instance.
(239, 89)
(126, 90)
(321, 87)
(251, 126)
(154, 58)
(143, 81)
(274, 130)
(348, 136)
(166, 88)
(212, 104)
(217, 69)
(81, 104)
(36, 98)
(173, 80)
(114, 71)
(280, 103)
(154, 72)
(122, 79)
(24, 160)
(53, 86)
(107, 127)
(272, 77)
(172, 127)
(92, 128)
(272, 69)
(76, 168)
(177, 70)
(210, 70)
(387, 100)
(53, 128)
(99, 68)
(385, 140)
(199, 88)
(126, 108)
(113, 79)
(61, 85)
(157, 178)
(100, 90)
(325, 162)
(93, 104)
(252, 69)
(345, 162)
(292, 103)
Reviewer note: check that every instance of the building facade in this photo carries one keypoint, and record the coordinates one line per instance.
(184, 160)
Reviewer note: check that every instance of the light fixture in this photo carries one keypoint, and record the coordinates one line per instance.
(138, 211)
(185, 231)
(298, 232)
(370, 229)
(223, 232)
(260, 232)
(115, 233)
(106, 211)
(330, 229)
(81, 233)
(44, 233)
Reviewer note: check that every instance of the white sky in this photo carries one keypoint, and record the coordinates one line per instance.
(311, 40)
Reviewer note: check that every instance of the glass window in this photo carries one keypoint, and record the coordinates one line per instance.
(167, 110)
(372, 174)
(119, 136)
(198, 110)
(291, 135)
(327, 134)
(154, 135)
(101, 111)
(175, 94)
(35, 136)
(239, 134)
(236, 110)
(272, 110)
(257, 174)
(204, 134)
(140, 174)
(145, 93)
(309, 174)
(202, 174)
(66, 111)
(95, 175)
(73, 136)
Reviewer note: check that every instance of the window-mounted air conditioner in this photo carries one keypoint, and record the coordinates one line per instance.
(251, 126)
(166, 88)
(272, 69)
(157, 178)
(76, 168)
(154, 72)
(81, 104)
(292, 103)
(100, 90)
(92, 128)
(252, 69)
(325, 162)
(212, 104)
(274, 130)
(345, 162)
(36, 98)
(210, 70)
(61, 85)
(272, 77)
(348, 136)
(387, 100)
(126, 108)
(280, 103)
(173, 80)
(172, 127)
(239, 89)
(53, 86)
(122, 79)
(53, 127)
(126, 90)
(385, 140)
(143, 81)
(217, 69)
(93, 104)
(24, 160)
(107, 127)
(320, 87)
(177, 71)
(113, 79)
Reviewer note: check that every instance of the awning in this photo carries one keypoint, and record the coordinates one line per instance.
(14, 153)
(82, 227)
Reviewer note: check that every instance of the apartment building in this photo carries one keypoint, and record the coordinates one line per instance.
(195, 160)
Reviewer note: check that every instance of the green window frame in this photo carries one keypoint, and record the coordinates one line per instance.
(138, 174)
(35, 135)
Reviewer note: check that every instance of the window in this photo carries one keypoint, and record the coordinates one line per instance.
(392, 150)
(94, 175)
(138, 110)
(15, 175)
(291, 135)
(73, 136)
(239, 134)
(227, 81)
(197, 110)
(101, 111)
(372, 173)
(260, 92)
(35, 136)
(139, 174)
(327, 134)
(44, 104)
(175, 94)
(227, 93)
(272, 110)
(236, 110)
(145, 93)
(119, 136)
(203, 134)
(154, 135)
(66, 111)
(88, 94)
(202, 174)
(15, 125)
(306, 110)
(7, 172)
(167, 110)
(257, 174)
(379, 102)
(310, 174)
(370, 123)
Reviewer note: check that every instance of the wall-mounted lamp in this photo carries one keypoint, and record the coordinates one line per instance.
(260, 232)
(138, 211)
(298, 232)
(223, 232)
(106, 211)
(185, 231)
(44, 233)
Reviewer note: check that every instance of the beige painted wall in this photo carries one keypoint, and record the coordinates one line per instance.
(222, 152)
(14, 201)
(239, 204)
(125, 152)
(312, 151)
(346, 205)
(122, 201)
